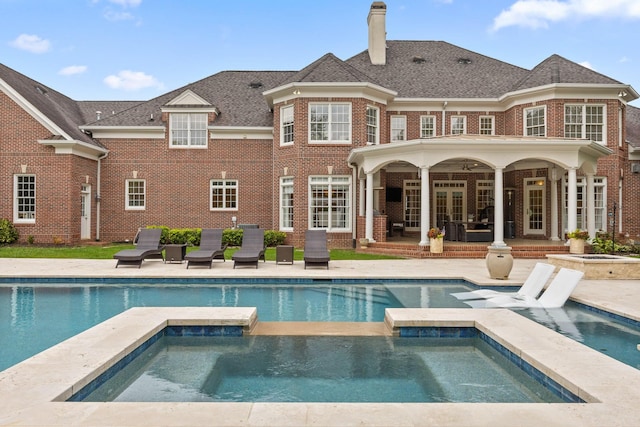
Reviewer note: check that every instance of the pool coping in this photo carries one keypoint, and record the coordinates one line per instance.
(33, 391)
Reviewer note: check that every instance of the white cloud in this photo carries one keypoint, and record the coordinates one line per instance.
(73, 69)
(587, 64)
(126, 3)
(31, 43)
(624, 59)
(111, 15)
(132, 80)
(539, 13)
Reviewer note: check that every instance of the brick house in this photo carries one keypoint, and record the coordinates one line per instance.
(407, 133)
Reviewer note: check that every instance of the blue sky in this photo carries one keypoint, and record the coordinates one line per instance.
(138, 49)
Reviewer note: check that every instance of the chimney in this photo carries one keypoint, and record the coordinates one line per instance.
(377, 33)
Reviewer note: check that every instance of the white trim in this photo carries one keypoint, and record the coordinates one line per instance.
(125, 132)
(190, 144)
(237, 132)
(493, 124)
(330, 141)
(282, 124)
(17, 220)
(188, 97)
(583, 124)
(348, 200)
(74, 147)
(524, 120)
(464, 124)
(280, 216)
(403, 128)
(224, 186)
(435, 124)
(127, 206)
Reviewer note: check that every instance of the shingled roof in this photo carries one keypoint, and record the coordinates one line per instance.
(556, 69)
(436, 69)
(237, 94)
(60, 109)
(633, 126)
(330, 69)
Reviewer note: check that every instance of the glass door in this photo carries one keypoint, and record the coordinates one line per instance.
(449, 202)
(534, 206)
(412, 205)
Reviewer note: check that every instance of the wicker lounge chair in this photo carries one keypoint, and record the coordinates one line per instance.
(252, 249)
(148, 246)
(211, 248)
(315, 248)
(531, 287)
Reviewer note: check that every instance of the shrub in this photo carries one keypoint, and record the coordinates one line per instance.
(8, 231)
(274, 237)
(232, 236)
(190, 236)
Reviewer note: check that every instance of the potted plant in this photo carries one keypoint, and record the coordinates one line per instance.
(577, 239)
(436, 238)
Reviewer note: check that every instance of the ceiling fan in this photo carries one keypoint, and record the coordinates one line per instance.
(468, 167)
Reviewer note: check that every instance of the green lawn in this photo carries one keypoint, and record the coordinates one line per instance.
(107, 251)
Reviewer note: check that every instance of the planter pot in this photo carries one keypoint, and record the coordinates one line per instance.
(499, 262)
(576, 246)
(364, 243)
(436, 246)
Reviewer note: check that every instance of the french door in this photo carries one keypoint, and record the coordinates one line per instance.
(534, 205)
(449, 202)
(85, 212)
(412, 201)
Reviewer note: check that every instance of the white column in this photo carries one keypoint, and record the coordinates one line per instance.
(554, 204)
(361, 198)
(591, 205)
(368, 233)
(498, 209)
(572, 200)
(425, 206)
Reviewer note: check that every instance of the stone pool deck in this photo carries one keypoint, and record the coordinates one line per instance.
(30, 392)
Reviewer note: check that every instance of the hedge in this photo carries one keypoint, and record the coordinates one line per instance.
(230, 236)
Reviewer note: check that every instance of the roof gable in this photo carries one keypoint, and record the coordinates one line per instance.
(329, 68)
(188, 97)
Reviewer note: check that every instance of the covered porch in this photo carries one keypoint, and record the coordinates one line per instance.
(480, 189)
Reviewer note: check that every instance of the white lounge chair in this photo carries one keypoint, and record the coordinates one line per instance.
(556, 294)
(531, 287)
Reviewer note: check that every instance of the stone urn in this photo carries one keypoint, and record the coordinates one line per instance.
(576, 246)
(499, 262)
(436, 246)
(364, 243)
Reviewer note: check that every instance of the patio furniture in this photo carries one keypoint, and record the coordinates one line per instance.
(211, 248)
(148, 245)
(315, 249)
(252, 249)
(531, 287)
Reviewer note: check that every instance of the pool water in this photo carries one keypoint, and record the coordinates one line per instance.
(37, 317)
(320, 369)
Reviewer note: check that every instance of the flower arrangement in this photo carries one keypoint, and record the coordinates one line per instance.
(435, 233)
(578, 234)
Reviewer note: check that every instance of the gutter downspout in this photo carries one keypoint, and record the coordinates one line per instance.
(444, 122)
(98, 188)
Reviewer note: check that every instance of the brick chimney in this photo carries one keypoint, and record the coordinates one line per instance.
(377, 33)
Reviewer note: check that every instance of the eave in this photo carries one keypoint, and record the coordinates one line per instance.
(75, 147)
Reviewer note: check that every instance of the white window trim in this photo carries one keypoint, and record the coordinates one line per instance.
(282, 185)
(329, 229)
(584, 119)
(282, 111)
(433, 119)
(329, 130)
(601, 182)
(524, 120)
(404, 127)
(128, 207)
(493, 124)
(464, 124)
(189, 145)
(377, 137)
(16, 219)
(225, 181)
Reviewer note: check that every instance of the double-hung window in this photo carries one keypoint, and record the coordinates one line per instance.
(286, 125)
(599, 190)
(427, 126)
(135, 194)
(286, 203)
(329, 202)
(398, 128)
(458, 125)
(584, 121)
(534, 121)
(188, 130)
(330, 123)
(373, 126)
(224, 194)
(487, 125)
(24, 206)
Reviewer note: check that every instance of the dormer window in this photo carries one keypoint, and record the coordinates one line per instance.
(188, 130)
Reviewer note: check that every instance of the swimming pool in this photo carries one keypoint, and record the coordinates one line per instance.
(39, 316)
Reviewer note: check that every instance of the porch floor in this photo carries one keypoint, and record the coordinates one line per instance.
(408, 246)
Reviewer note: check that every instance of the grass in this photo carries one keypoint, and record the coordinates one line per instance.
(107, 252)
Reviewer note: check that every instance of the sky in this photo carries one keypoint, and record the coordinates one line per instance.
(139, 49)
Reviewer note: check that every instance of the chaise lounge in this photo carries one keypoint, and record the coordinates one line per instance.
(252, 249)
(531, 287)
(148, 246)
(315, 248)
(211, 248)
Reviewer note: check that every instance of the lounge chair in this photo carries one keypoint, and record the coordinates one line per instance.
(556, 294)
(531, 287)
(315, 248)
(148, 246)
(252, 249)
(211, 248)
